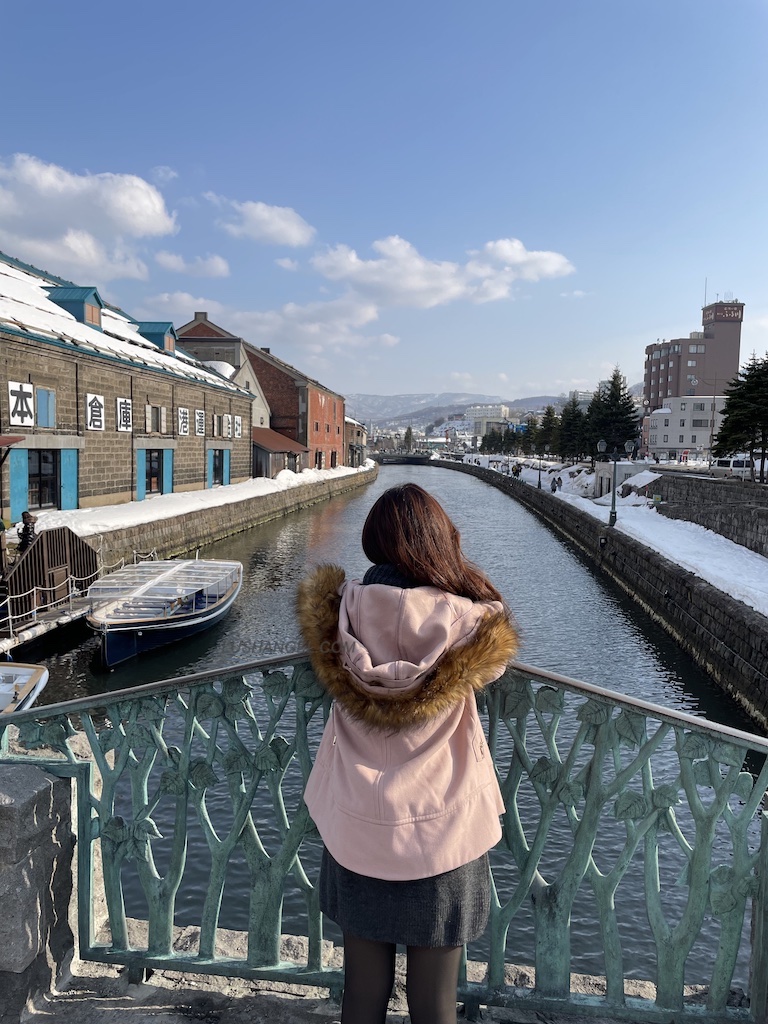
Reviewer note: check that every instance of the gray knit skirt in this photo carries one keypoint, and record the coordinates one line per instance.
(444, 910)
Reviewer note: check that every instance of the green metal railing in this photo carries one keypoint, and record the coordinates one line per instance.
(598, 789)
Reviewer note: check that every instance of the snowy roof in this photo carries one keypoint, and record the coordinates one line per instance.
(26, 310)
(219, 366)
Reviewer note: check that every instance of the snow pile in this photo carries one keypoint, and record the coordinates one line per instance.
(86, 522)
(643, 479)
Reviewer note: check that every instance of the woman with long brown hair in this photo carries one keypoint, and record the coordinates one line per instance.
(403, 790)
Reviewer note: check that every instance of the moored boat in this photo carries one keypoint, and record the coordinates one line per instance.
(20, 685)
(147, 605)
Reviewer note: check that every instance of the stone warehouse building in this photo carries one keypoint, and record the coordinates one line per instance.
(301, 408)
(97, 408)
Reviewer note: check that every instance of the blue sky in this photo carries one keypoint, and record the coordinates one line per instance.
(500, 197)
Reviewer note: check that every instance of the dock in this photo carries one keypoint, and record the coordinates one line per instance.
(45, 621)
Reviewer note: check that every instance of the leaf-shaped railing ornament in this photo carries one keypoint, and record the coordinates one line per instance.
(598, 788)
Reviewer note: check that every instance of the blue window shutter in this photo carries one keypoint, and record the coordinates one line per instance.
(141, 474)
(225, 469)
(209, 472)
(69, 492)
(18, 470)
(168, 471)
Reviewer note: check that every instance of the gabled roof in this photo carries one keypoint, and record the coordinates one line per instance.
(27, 311)
(301, 378)
(74, 294)
(156, 327)
(201, 327)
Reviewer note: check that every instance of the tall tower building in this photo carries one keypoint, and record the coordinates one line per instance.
(701, 364)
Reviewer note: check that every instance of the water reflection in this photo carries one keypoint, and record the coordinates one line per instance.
(571, 619)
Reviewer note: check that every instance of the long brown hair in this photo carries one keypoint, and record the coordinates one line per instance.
(410, 529)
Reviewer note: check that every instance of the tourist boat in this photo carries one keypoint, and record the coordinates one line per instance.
(20, 685)
(150, 604)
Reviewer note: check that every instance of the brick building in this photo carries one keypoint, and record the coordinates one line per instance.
(102, 407)
(300, 408)
(683, 369)
(356, 441)
(699, 365)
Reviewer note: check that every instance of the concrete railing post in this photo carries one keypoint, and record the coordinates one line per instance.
(36, 844)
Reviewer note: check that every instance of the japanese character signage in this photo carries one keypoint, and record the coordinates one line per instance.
(183, 422)
(227, 425)
(124, 414)
(238, 426)
(94, 412)
(200, 422)
(20, 403)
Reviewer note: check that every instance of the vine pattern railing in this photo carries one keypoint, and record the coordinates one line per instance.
(227, 754)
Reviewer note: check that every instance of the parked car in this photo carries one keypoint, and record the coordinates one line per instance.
(739, 466)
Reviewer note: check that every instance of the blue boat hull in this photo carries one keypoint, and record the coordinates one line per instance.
(121, 644)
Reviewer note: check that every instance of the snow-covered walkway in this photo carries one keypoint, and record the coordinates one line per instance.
(728, 566)
(731, 568)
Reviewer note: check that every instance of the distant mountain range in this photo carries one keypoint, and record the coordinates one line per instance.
(419, 410)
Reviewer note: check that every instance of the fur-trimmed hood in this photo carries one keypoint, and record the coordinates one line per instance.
(393, 657)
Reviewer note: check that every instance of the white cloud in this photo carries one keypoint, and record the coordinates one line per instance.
(463, 377)
(78, 223)
(49, 194)
(208, 266)
(274, 225)
(287, 263)
(179, 307)
(77, 253)
(576, 294)
(401, 276)
(503, 377)
(318, 329)
(163, 174)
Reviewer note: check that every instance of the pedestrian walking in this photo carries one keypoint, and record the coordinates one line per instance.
(27, 533)
(553, 485)
(403, 790)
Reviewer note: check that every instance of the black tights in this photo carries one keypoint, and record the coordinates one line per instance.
(369, 974)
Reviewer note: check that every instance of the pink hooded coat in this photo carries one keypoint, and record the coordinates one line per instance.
(403, 785)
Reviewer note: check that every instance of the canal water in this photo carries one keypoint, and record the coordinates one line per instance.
(571, 621)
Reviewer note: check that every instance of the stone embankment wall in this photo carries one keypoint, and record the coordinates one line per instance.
(183, 534)
(36, 847)
(737, 509)
(725, 637)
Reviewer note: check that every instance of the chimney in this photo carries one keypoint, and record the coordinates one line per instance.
(265, 350)
(201, 316)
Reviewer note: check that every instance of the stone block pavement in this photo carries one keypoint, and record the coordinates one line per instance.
(92, 993)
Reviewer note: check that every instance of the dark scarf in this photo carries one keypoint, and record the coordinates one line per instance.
(390, 576)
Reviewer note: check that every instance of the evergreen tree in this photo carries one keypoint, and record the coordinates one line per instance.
(529, 437)
(572, 431)
(549, 430)
(745, 421)
(491, 442)
(408, 440)
(611, 416)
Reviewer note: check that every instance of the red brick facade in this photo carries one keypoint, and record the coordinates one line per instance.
(325, 429)
(300, 407)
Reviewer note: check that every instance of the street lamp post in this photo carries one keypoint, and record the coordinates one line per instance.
(615, 455)
(546, 449)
